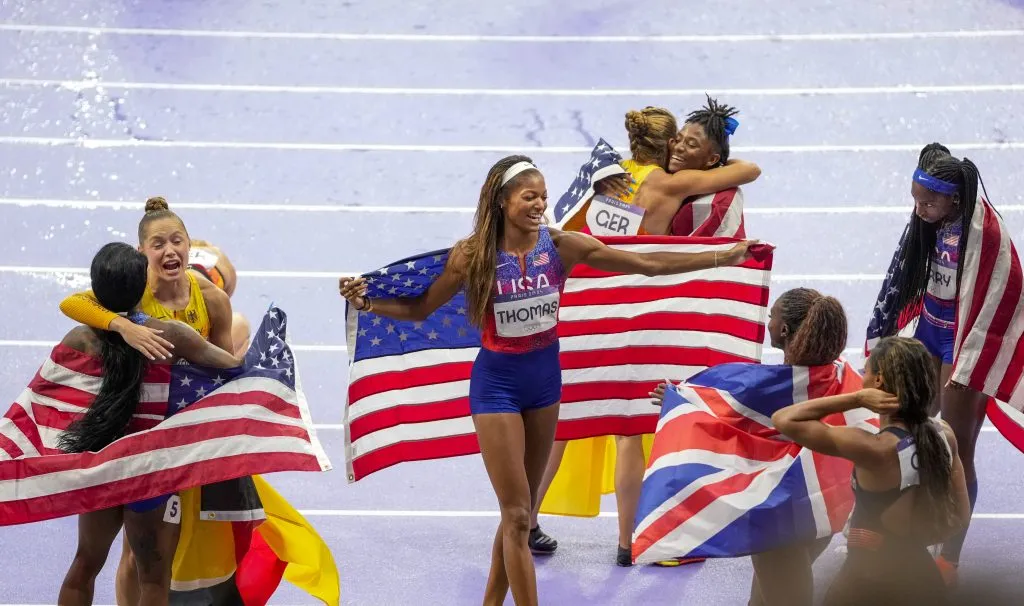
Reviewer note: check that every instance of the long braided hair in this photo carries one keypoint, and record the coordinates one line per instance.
(481, 247)
(118, 275)
(817, 327)
(712, 118)
(908, 373)
(919, 237)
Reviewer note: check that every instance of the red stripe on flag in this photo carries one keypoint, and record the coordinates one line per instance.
(420, 450)
(576, 429)
(147, 486)
(648, 354)
(689, 508)
(695, 289)
(404, 379)
(408, 413)
(688, 321)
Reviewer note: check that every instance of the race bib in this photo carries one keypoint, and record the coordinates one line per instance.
(202, 257)
(527, 313)
(610, 217)
(942, 282)
(172, 513)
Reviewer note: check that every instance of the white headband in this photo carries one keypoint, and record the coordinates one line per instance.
(514, 170)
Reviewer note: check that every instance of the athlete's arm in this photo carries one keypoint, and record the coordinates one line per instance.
(582, 248)
(802, 424)
(82, 307)
(413, 309)
(191, 346)
(685, 183)
(218, 305)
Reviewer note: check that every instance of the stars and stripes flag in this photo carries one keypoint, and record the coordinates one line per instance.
(604, 162)
(989, 343)
(620, 335)
(193, 426)
(722, 482)
(713, 215)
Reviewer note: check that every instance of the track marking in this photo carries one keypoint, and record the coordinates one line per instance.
(536, 149)
(30, 269)
(663, 38)
(898, 89)
(395, 513)
(133, 206)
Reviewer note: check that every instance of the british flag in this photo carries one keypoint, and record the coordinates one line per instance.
(722, 482)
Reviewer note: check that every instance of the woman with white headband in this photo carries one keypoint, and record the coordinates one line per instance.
(512, 268)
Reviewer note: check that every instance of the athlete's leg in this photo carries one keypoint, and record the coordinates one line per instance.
(629, 477)
(153, 541)
(96, 533)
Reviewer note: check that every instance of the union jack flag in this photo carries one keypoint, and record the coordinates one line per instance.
(408, 394)
(722, 482)
(193, 426)
(604, 162)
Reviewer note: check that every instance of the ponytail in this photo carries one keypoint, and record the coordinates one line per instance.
(817, 327)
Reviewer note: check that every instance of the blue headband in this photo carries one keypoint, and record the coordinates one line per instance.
(936, 185)
(731, 124)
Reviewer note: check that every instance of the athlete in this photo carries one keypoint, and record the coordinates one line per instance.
(172, 293)
(513, 268)
(118, 275)
(211, 262)
(930, 274)
(681, 183)
(908, 480)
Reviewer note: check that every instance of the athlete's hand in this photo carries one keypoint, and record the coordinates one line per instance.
(878, 401)
(658, 395)
(616, 186)
(143, 338)
(739, 253)
(353, 290)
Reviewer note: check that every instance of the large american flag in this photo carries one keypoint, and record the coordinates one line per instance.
(603, 162)
(722, 482)
(408, 395)
(193, 426)
(989, 347)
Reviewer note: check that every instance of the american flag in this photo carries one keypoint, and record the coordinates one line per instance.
(193, 426)
(722, 482)
(408, 395)
(989, 347)
(713, 215)
(604, 162)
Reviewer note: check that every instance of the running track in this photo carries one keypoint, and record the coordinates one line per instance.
(315, 138)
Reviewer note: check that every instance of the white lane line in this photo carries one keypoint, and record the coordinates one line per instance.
(534, 149)
(899, 89)
(627, 39)
(133, 206)
(48, 344)
(400, 513)
(31, 269)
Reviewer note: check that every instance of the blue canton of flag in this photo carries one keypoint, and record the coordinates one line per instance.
(885, 306)
(604, 162)
(448, 327)
(268, 357)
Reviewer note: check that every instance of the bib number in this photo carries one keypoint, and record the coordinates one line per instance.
(610, 217)
(202, 257)
(172, 513)
(525, 316)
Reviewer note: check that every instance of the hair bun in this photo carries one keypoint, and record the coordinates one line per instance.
(636, 123)
(156, 203)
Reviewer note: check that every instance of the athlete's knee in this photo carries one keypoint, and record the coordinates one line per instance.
(515, 519)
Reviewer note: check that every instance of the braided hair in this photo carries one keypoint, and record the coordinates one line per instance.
(712, 118)
(919, 237)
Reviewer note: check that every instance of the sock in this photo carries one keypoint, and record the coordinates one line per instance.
(951, 548)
